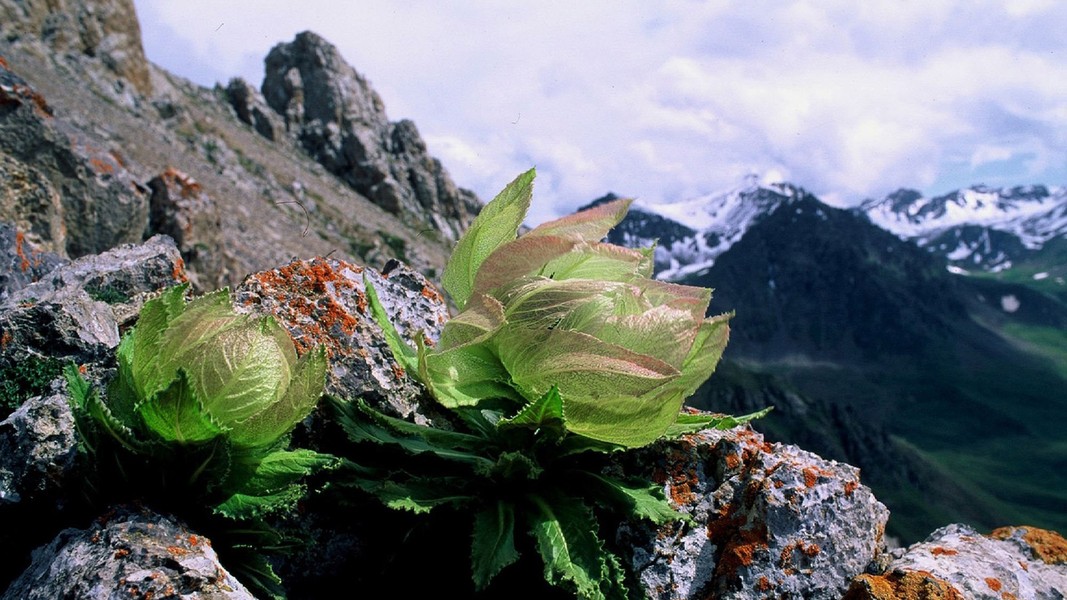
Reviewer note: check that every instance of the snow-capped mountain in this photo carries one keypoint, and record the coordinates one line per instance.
(975, 228)
(691, 234)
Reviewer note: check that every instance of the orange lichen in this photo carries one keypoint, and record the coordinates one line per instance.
(912, 585)
(177, 550)
(122, 553)
(850, 487)
(24, 261)
(193, 540)
(398, 371)
(101, 166)
(993, 583)
(733, 461)
(764, 584)
(1049, 546)
(430, 293)
(942, 551)
(3, 63)
(178, 273)
(187, 186)
(5, 339)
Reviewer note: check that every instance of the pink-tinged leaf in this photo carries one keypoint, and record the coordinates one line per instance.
(691, 299)
(590, 225)
(582, 366)
(524, 256)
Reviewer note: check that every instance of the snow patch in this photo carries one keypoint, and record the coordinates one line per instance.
(957, 270)
(1040, 276)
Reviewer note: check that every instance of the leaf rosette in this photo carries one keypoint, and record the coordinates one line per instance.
(192, 372)
(558, 307)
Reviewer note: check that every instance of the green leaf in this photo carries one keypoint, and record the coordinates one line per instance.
(403, 354)
(176, 415)
(566, 534)
(402, 491)
(364, 424)
(641, 500)
(543, 412)
(692, 423)
(142, 344)
(263, 484)
(497, 224)
(493, 542)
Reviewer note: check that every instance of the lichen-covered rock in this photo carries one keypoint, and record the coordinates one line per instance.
(341, 122)
(181, 209)
(30, 202)
(74, 312)
(21, 261)
(957, 562)
(102, 203)
(38, 448)
(323, 302)
(252, 108)
(127, 555)
(770, 521)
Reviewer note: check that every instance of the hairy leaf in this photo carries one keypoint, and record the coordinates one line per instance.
(176, 415)
(692, 423)
(403, 353)
(493, 542)
(590, 225)
(566, 534)
(642, 500)
(546, 411)
(496, 224)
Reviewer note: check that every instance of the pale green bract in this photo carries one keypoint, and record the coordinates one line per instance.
(199, 370)
(557, 307)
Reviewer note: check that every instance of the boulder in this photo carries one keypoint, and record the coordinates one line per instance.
(341, 122)
(957, 562)
(180, 208)
(74, 313)
(127, 554)
(38, 448)
(30, 202)
(101, 203)
(770, 520)
(323, 302)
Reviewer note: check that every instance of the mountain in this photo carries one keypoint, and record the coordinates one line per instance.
(978, 228)
(942, 388)
(690, 235)
(245, 178)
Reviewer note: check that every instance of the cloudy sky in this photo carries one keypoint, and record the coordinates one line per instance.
(672, 99)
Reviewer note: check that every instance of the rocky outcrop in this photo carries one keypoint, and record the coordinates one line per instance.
(127, 554)
(251, 108)
(179, 208)
(106, 30)
(30, 202)
(770, 521)
(100, 203)
(957, 562)
(341, 122)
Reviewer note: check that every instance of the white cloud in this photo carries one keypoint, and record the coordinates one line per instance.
(666, 100)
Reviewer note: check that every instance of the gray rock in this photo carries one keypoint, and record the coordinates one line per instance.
(341, 122)
(21, 261)
(74, 312)
(38, 449)
(252, 108)
(31, 204)
(104, 30)
(323, 302)
(181, 209)
(1010, 562)
(771, 521)
(102, 203)
(127, 555)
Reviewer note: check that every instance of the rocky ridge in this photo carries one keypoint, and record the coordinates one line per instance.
(83, 158)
